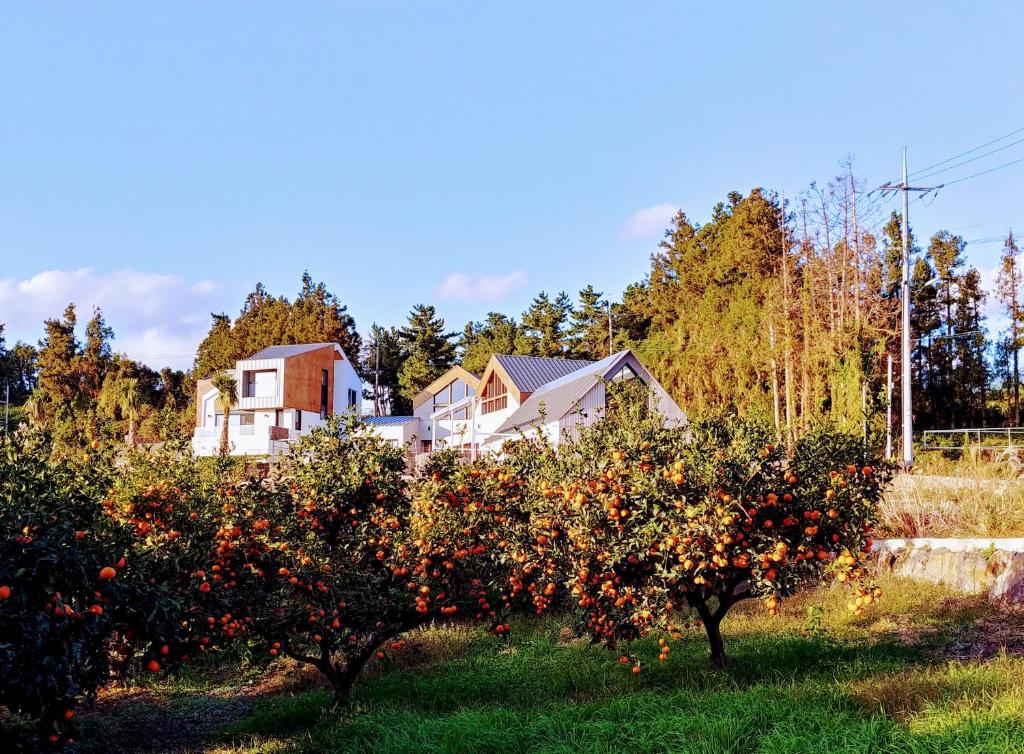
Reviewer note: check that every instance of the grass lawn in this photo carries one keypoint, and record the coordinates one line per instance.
(924, 672)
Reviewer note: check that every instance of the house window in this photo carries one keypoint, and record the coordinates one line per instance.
(278, 418)
(353, 397)
(495, 395)
(298, 419)
(625, 387)
(323, 394)
(259, 383)
(626, 373)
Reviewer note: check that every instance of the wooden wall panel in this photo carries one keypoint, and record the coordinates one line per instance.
(302, 376)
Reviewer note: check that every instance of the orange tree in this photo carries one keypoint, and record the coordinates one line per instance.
(333, 557)
(658, 523)
(162, 500)
(77, 593)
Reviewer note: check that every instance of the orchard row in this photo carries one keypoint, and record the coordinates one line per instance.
(111, 564)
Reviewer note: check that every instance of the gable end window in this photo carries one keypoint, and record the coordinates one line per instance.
(494, 396)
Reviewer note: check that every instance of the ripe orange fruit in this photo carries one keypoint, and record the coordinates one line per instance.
(107, 573)
(153, 666)
(5, 592)
(635, 670)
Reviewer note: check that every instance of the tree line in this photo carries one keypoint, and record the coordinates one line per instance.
(783, 310)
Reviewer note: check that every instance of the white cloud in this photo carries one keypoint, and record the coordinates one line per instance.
(157, 318)
(461, 286)
(649, 221)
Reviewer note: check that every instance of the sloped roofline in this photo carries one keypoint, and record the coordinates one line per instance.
(456, 372)
(578, 383)
(519, 391)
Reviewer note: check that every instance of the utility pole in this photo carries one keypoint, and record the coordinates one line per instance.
(888, 407)
(906, 396)
(608, 306)
(7, 406)
(376, 375)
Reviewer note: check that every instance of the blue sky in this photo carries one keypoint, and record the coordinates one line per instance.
(158, 159)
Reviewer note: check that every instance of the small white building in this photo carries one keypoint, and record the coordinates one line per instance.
(283, 392)
(520, 396)
(400, 431)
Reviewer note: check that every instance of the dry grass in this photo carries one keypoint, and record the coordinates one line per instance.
(954, 498)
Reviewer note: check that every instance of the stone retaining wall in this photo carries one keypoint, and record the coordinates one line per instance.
(975, 566)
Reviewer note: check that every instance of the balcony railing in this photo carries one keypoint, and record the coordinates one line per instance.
(258, 401)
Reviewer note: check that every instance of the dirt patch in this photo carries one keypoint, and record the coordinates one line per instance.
(169, 721)
(987, 637)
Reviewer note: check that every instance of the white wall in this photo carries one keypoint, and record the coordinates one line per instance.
(345, 378)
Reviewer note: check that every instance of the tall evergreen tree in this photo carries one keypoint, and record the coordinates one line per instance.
(970, 371)
(318, 316)
(428, 347)
(96, 357)
(1008, 289)
(481, 340)
(58, 350)
(588, 331)
(544, 330)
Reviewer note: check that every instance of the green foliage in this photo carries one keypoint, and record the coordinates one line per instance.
(315, 316)
(652, 520)
(428, 350)
(92, 557)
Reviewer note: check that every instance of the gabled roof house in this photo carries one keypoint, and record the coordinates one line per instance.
(283, 392)
(521, 395)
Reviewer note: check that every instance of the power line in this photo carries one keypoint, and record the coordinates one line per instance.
(969, 151)
(973, 159)
(984, 172)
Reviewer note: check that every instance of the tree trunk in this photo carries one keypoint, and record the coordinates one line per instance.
(224, 445)
(713, 627)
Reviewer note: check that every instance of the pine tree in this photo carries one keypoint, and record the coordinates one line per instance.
(481, 340)
(58, 376)
(970, 375)
(1008, 288)
(429, 350)
(544, 327)
(95, 359)
(588, 331)
(218, 350)
(317, 316)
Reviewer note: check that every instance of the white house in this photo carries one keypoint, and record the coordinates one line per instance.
(283, 392)
(517, 396)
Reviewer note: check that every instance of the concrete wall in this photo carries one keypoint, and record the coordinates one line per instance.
(975, 566)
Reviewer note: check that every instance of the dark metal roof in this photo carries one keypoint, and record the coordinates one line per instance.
(283, 352)
(555, 399)
(387, 421)
(531, 372)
